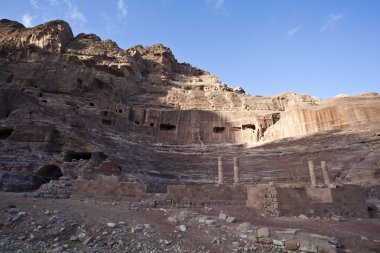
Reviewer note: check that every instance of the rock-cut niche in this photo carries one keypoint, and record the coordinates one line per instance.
(5, 133)
(46, 174)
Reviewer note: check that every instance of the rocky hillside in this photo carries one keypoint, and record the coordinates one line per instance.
(84, 107)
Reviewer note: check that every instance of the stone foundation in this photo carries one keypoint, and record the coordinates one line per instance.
(108, 190)
(270, 199)
(293, 201)
(203, 195)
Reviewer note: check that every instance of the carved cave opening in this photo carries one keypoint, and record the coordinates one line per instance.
(46, 174)
(167, 127)
(106, 121)
(276, 117)
(9, 78)
(5, 133)
(69, 156)
(248, 126)
(98, 83)
(218, 129)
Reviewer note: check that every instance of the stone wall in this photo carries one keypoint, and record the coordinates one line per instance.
(177, 195)
(293, 201)
(107, 190)
(201, 195)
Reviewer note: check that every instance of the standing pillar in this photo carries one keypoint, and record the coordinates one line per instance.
(236, 171)
(325, 173)
(220, 170)
(312, 174)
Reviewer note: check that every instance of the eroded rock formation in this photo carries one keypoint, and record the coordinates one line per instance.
(95, 110)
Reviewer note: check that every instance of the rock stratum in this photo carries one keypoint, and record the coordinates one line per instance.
(81, 107)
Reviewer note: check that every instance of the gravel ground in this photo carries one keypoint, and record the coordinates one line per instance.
(63, 225)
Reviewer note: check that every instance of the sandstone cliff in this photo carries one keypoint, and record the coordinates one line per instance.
(95, 110)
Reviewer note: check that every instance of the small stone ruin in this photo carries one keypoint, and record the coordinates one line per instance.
(271, 199)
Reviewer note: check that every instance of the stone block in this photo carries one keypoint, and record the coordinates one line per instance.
(223, 216)
(291, 245)
(263, 232)
(230, 219)
(252, 238)
(264, 240)
(308, 247)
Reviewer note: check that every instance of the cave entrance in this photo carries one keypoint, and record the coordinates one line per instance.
(5, 133)
(45, 174)
(106, 122)
(218, 129)
(167, 127)
(248, 126)
(69, 156)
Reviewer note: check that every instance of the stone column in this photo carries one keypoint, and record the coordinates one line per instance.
(325, 173)
(312, 174)
(236, 171)
(220, 170)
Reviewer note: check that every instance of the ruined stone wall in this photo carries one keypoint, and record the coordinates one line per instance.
(107, 190)
(293, 201)
(177, 195)
(350, 200)
(200, 195)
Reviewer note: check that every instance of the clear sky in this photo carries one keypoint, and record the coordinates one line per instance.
(317, 47)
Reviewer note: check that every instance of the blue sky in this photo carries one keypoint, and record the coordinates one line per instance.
(317, 47)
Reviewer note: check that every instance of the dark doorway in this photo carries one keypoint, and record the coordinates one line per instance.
(45, 174)
(167, 127)
(248, 126)
(69, 156)
(5, 133)
(218, 129)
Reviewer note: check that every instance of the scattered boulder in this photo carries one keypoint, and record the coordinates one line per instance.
(13, 210)
(222, 216)
(210, 221)
(263, 232)
(264, 240)
(182, 228)
(337, 217)
(303, 217)
(230, 219)
(244, 227)
(291, 245)
(252, 238)
(82, 236)
(138, 228)
(111, 225)
(23, 214)
(173, 219)
(308, 247)
(88, 240)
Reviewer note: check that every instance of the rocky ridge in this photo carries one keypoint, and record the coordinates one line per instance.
(93, 110)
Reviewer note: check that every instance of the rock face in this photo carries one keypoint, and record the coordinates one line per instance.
(333, 114)
(52, 36)
(93, 110)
